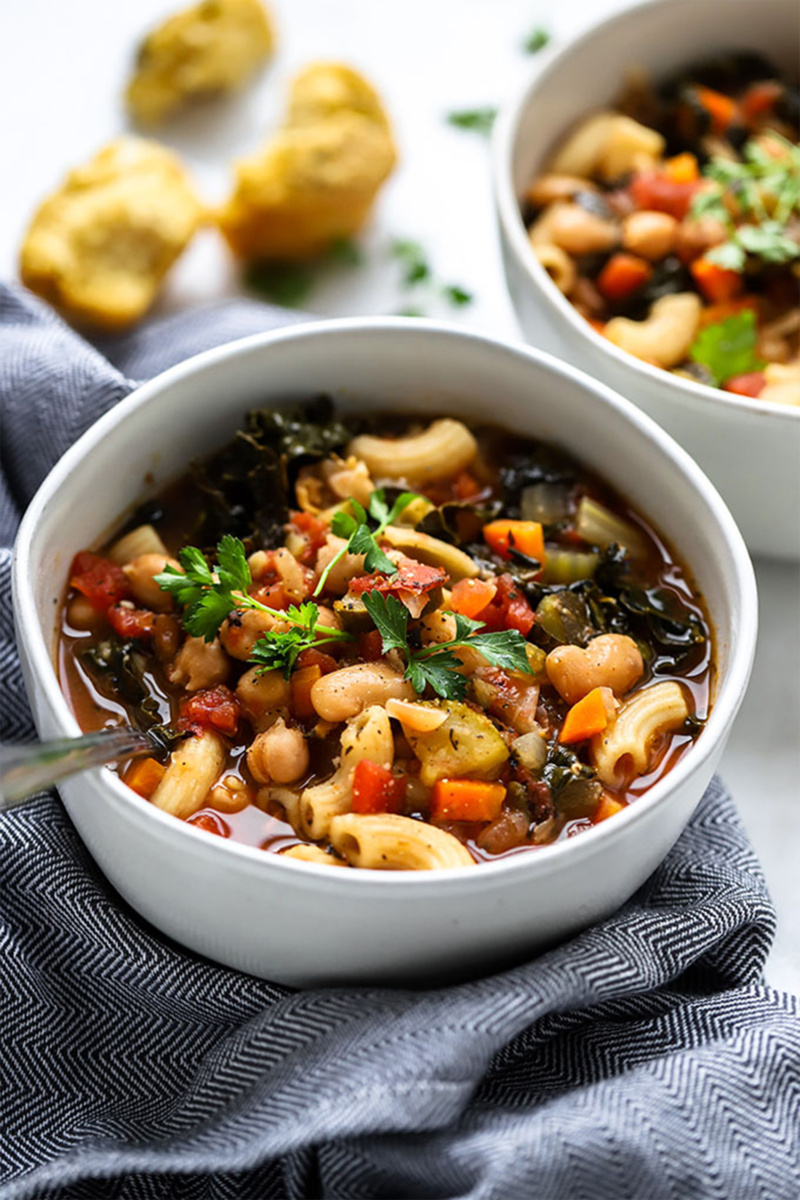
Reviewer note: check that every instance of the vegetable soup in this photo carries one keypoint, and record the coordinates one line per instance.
(375, 642)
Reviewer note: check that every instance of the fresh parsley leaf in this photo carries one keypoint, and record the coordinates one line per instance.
(278, 650)
(413, 260)
(288, 284)
(390, 618)
(729, 347)
(465, 626)
(441, 671)
(363, 542)
(730, 255)
(768, 241)
(345, 252)
(232, 568)
(504, 649)
(536, 40)
(378, 508)
(478, 120)
(457, 296)
(205, 615)
(360, 538)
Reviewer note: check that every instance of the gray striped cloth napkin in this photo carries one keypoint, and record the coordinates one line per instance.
(643, 1059)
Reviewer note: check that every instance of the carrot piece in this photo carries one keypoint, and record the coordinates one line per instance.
(589, 716)
(144, 776)
(760, 98)
(722, 109)
(715, 314)
(376, 789)
(470, 596)
(682, 168)
(466, 800)
(300, 687)
(622, 275)
(717, 284)
(607, 807)
(525, 536)
(750, 384)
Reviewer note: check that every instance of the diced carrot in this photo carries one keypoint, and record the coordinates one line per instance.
(317, 658)
(589, 716)
(722, 109)
(715, 314)
(750, 384)
(717, 284)
(682, 168)
(760, 98)
(466, 800)
(623, 275)
(607, 807)
(300, 686)
(376, 789)
(470, 596)
(525, 536)
(144, 776)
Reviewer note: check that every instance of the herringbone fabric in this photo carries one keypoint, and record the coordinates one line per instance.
(643, 1059)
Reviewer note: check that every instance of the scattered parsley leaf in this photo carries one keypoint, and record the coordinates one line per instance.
(503, 649)
(346, 253)
(412, 257)
(457, 296)
(730, 255)
(441, 672)
(478, 120)
(288, 284)
(390, 618)
(536, 40)
(729, 347)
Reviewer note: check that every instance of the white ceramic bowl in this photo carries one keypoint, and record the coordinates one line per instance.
(750, 449)
(302, 924)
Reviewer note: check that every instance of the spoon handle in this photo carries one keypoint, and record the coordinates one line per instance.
(27, 770)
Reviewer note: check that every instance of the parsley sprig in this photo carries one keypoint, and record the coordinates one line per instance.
(208, 596)
(438, 665)
(728, 347)
(354, 526)
(766, 190)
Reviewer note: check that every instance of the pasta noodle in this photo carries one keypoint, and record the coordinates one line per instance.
(192, 771)
(633, 737)
(391, 843)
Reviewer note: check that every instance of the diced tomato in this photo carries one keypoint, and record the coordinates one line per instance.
(274, 596)
(717, 284)
(509, 609)
(317, 658)
(100, 580)
(652, 190)
(314, 529)
(300, 686)
(751, 384)
(466, 486)
(210, 822)
(466, 800)
(212, 708)
(760, 99)
(131, 622)
(525, 536)
(623, 275)
(411, 576)
(376, 789)
(715, 314)
(470, 596)
(370, 646)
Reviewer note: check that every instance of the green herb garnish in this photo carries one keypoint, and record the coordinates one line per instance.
(457, 296)
(437, 666)
(411, 256)
(354, 525)
(208, 596)
(729, 347)
(288, 284)
(478, 120)
(766, 191)
(536, 40)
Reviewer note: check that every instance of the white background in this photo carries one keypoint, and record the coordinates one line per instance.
(62, 71)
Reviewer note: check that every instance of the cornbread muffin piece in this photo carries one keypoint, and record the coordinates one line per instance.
(99, 247)
(212, 47)
(316, 179)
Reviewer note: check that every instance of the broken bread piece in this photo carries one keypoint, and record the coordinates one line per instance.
(100, 246)
(212, 47)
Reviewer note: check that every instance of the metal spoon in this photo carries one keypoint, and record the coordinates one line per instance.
(27, 770)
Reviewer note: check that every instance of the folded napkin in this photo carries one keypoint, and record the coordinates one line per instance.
(642, 1059)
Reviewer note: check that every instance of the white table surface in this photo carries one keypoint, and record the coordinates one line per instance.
(62, 71)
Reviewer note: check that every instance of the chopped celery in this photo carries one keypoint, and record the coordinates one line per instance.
(601, 527)
(568, 566)
(544, 502)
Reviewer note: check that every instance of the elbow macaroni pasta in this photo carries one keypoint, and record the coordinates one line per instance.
(665, 336)
(367, 736)
(443, 449)
(194, 768)
(640, 723)
(387, 842)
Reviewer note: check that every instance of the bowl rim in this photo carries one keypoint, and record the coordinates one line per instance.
(504, 138)
(38, 645)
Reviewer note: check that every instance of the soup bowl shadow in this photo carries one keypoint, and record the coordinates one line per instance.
(750, 449)
(301, 924)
